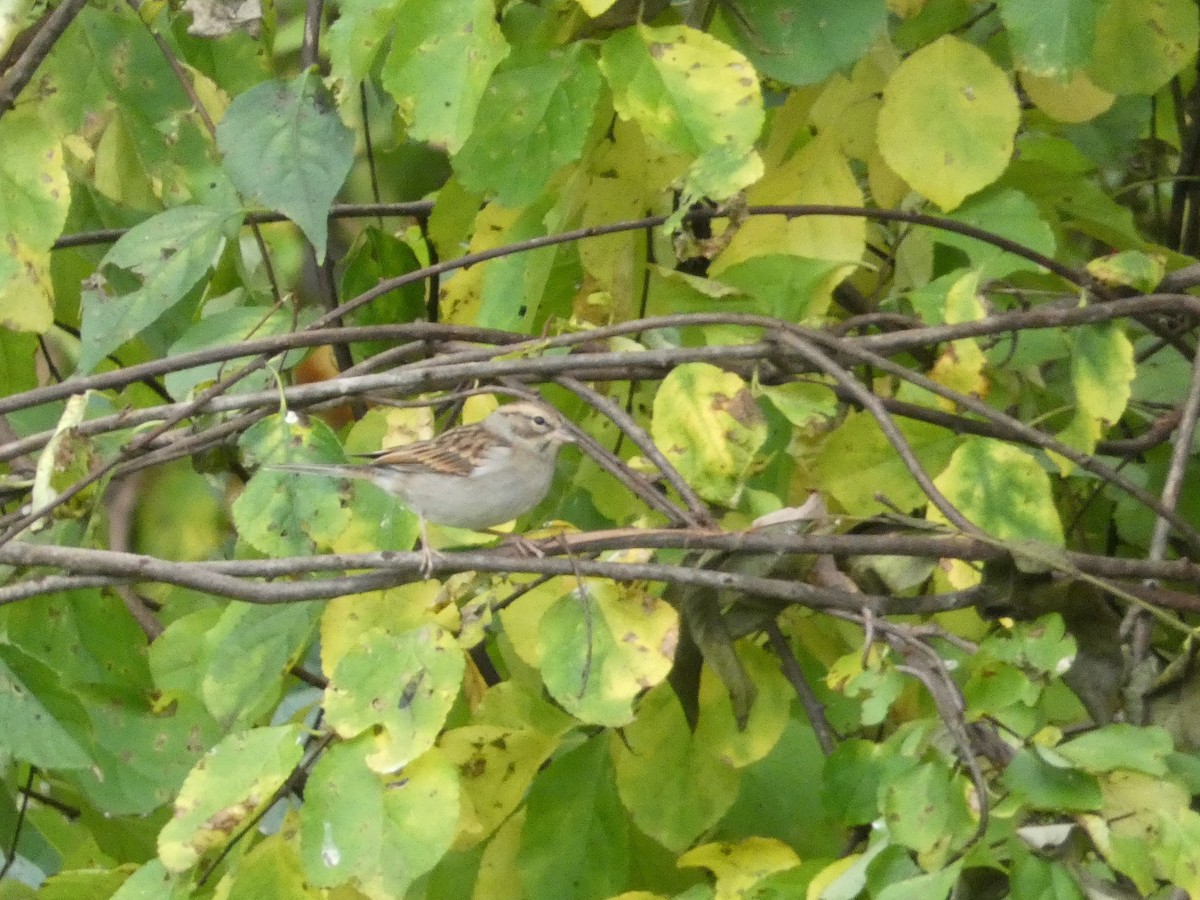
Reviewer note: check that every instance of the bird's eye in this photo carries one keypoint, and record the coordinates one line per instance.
(540, 420)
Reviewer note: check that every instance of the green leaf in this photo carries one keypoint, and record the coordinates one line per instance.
(929, 886)
(1008, 213)
(282, 514)
(362, 29)
(803, 43)
(1119, 746)
(1042, 785)
(387, 830)
(537, 115)
(948, 121)
(248, 653)
(402, 686)
(152, 882)
(228, 786)
(692, 94)
(156, 265)
(599, 649)
(141, 755)
(575, 843)
(1140, 45)
(1050, 37)
(439, 66)
(270, 871)
(34, 196)
(285, 147)
(1102, 372)
(41, 721)
(1003, 490)
(857, 462)
(851, 779)
(233, 326)
(926, 810)
(673, 784)
(708, 425)
(1030, 876)
(1130, 268)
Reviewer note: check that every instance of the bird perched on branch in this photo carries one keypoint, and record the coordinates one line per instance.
(474, 476)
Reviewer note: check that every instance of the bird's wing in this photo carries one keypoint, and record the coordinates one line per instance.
(460, 456)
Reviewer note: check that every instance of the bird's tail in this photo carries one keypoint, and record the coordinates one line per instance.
(329, 470)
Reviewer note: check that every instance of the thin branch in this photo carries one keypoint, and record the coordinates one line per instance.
(23, 70)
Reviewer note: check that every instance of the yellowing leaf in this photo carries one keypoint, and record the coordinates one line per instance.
(439, 66)
(1075, 100)
(693, 94)
(1003, 490)
(819, 173)
(739, 866)
(707, 424)
(669, 779)
(399, 685)
(230, 784)
(600, 648)
(1102, 373)
(948, 121)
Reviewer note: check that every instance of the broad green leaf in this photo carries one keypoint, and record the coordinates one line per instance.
(34, 196)
(400, 685)
(283, 514)
(876, 685)
(948, 121)
(228, 786)
(142, 756)
(1119, 746)
(575, 842)
(362, 29)
(926, 810)
(152, 882)
(929, 886)
(383, 830)
(376, 255)
(248, 653)
(496, 765)
(439, 66)
(1031, 876)
(285, 147)
(803, 43)
(1050, 37)
(1102, 373)
(537, 115)
(600, 648)
(1130, 268)
(856, 463)
(851, 779)
(1140, 45)
(692, 94)
(1178, 857)
(1008, 213)
(232, 326)
(271, 871)
(42, 722)
(671, 781)
(1003, 490)
(17, 352)
(792, 288)
(146, 273)
(94, 641)
(708, 425)
(1042, 784)
(76, 884)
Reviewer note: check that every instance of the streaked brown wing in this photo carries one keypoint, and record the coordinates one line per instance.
(454, 453)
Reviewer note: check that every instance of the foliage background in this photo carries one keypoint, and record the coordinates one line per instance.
(906, 284)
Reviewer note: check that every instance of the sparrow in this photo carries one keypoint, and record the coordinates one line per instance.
(474, 476)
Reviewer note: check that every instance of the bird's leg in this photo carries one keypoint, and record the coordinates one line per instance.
(428, 554)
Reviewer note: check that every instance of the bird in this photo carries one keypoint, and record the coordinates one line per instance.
(473, 476)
